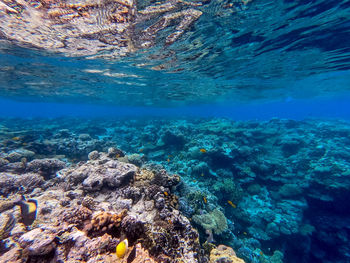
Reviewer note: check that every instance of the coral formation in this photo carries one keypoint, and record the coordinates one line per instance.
(105, 222)
(258, 185)
(224, 254)
(214, 221)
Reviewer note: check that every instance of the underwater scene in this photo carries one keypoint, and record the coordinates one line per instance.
(174, 131)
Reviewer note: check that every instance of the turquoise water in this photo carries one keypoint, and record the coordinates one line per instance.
(261, 51)
(251, 104)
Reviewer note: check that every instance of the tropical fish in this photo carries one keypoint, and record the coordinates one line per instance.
(28, 209)
(141, 150)
(202, 174)
(231, 204)
(202, 150)
(205, 200)
(168, 160)
(166, 193)
(122, 248)
(16, 138)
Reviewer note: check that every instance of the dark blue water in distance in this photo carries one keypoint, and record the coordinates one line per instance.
(263, 86)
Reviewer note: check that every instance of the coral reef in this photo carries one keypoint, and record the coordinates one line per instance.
(267, 189)
(73, 227)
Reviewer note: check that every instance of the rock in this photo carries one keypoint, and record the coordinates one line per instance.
(3, 162)
(14, 157)
(115, 152)
(18, 154)
(136, 159)
(176, 140)
(111, 174)
(10, 182)
(94, 155)
(38, 242)
(46, 167)
(85, 137)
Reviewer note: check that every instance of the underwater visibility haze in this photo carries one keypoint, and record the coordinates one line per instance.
(175, 131)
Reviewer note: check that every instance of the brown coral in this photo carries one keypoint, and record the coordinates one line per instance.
(105, 222)
(224, 254)
(77, 216)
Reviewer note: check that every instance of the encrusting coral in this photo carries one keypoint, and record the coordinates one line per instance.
(105, 222)
(224, 254)
(213, 221)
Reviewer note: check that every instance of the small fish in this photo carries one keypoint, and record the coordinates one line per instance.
(141, 150)
(170, 155)
(261, 253)
(202, 150)
(16, 138)
(28, 210)
(117, 155)
(202, 174)
(166, 193)
(195, 181)
(168, 160)
(205, 200)
(244, 233)
(122, 248)
(231, 204)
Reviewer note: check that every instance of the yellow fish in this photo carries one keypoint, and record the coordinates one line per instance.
(122, 248)
(168, 160)
(166, 193)
(231, 204)
(141, 150)
(205, 200)
(202, 150)
(202, 174)
(28, 210)
(16, 138)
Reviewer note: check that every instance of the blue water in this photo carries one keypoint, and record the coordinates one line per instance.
(334, 107)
